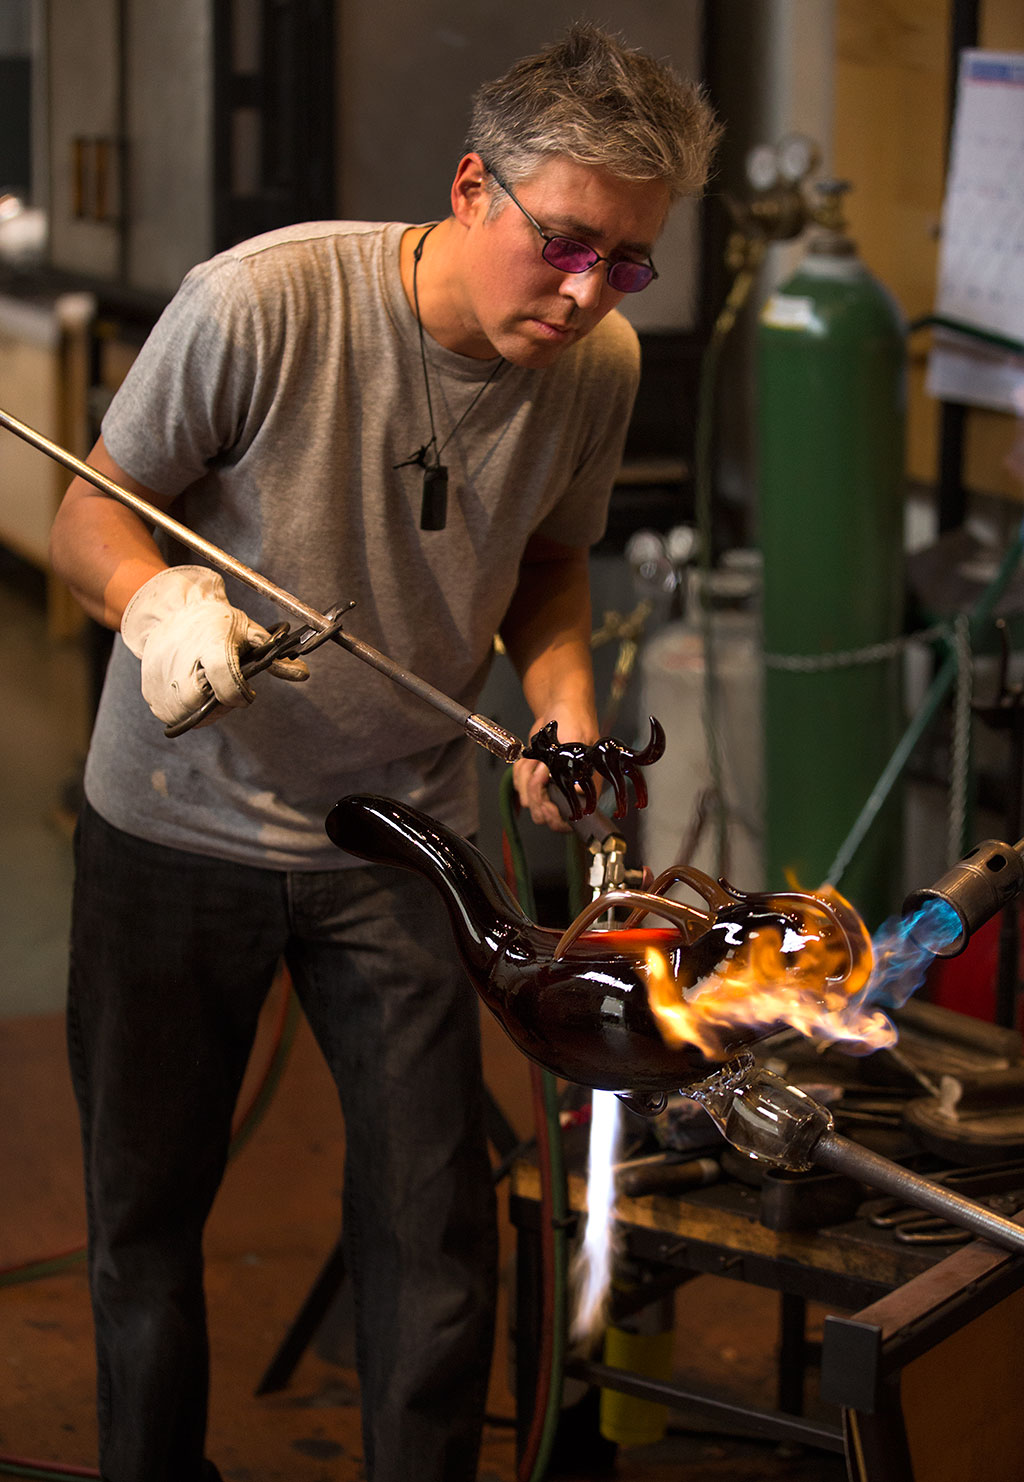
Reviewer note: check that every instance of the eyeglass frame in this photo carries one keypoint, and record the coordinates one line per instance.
(549, 238)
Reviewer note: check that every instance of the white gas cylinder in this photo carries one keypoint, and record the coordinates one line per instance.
(680, 816)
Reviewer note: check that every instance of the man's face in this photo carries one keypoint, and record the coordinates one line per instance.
(512, 302)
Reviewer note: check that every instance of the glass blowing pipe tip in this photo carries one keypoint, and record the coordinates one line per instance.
(942, 917)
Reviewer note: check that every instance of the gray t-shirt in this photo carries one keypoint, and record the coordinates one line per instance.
(273, 398)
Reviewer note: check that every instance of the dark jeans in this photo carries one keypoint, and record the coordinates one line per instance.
(172, 956)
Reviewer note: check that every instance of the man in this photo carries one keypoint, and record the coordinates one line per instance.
(302, 403)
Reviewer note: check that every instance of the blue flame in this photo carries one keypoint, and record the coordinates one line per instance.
(936, 925)
(902, 960)
(905, 947)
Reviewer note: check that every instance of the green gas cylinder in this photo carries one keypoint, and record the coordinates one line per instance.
(831, 372)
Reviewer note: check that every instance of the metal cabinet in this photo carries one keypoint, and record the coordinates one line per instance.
(175, 130)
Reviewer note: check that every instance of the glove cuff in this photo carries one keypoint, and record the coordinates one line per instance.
(164, 595)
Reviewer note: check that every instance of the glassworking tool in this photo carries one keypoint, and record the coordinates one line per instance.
(571, 765)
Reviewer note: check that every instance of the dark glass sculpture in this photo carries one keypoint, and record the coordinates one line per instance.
(582, 1013)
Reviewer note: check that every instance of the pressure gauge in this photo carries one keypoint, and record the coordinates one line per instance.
(762, 167)
(797, 156)
(681, 544)
(644, 546)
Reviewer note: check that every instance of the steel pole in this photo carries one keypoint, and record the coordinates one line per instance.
(478, 728)
(843, 1156)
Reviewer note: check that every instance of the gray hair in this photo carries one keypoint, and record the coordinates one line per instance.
(598, 102)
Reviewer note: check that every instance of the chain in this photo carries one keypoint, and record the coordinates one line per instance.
(960, 750)
(848, 659)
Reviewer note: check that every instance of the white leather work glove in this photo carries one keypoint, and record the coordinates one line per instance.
(190, 640)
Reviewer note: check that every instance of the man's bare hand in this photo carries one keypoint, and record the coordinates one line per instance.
(532, 778)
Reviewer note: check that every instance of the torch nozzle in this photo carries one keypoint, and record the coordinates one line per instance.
(944, 916)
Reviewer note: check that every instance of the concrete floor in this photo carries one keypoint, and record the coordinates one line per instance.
(277, 1217)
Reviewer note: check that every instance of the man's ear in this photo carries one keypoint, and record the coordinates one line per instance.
(470, 199)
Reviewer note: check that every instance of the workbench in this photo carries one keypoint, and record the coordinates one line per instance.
(922, 1320)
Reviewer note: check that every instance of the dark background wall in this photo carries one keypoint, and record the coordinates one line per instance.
(405, 74)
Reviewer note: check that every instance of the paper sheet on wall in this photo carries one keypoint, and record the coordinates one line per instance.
(981, 268)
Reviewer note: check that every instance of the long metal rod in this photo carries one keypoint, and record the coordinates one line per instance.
(843, 1156)
(479, 728)
(149, 512)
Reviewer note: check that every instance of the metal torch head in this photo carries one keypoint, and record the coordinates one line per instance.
(946, 914)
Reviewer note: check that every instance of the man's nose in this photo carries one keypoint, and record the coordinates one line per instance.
(585, 289)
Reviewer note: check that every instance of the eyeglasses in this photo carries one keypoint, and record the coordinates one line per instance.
(568, 256)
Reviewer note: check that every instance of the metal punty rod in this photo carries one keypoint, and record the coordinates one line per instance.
(843, 1156)
(479, 728)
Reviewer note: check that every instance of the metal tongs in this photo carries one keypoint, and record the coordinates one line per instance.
(571, 765)
(283, 643)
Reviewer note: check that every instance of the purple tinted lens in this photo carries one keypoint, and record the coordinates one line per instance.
(629, 277)
(576, 257)
(569, 256)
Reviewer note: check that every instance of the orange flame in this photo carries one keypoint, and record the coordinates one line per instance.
(813, 977)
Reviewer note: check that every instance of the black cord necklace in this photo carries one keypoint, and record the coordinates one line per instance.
(434, 509)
